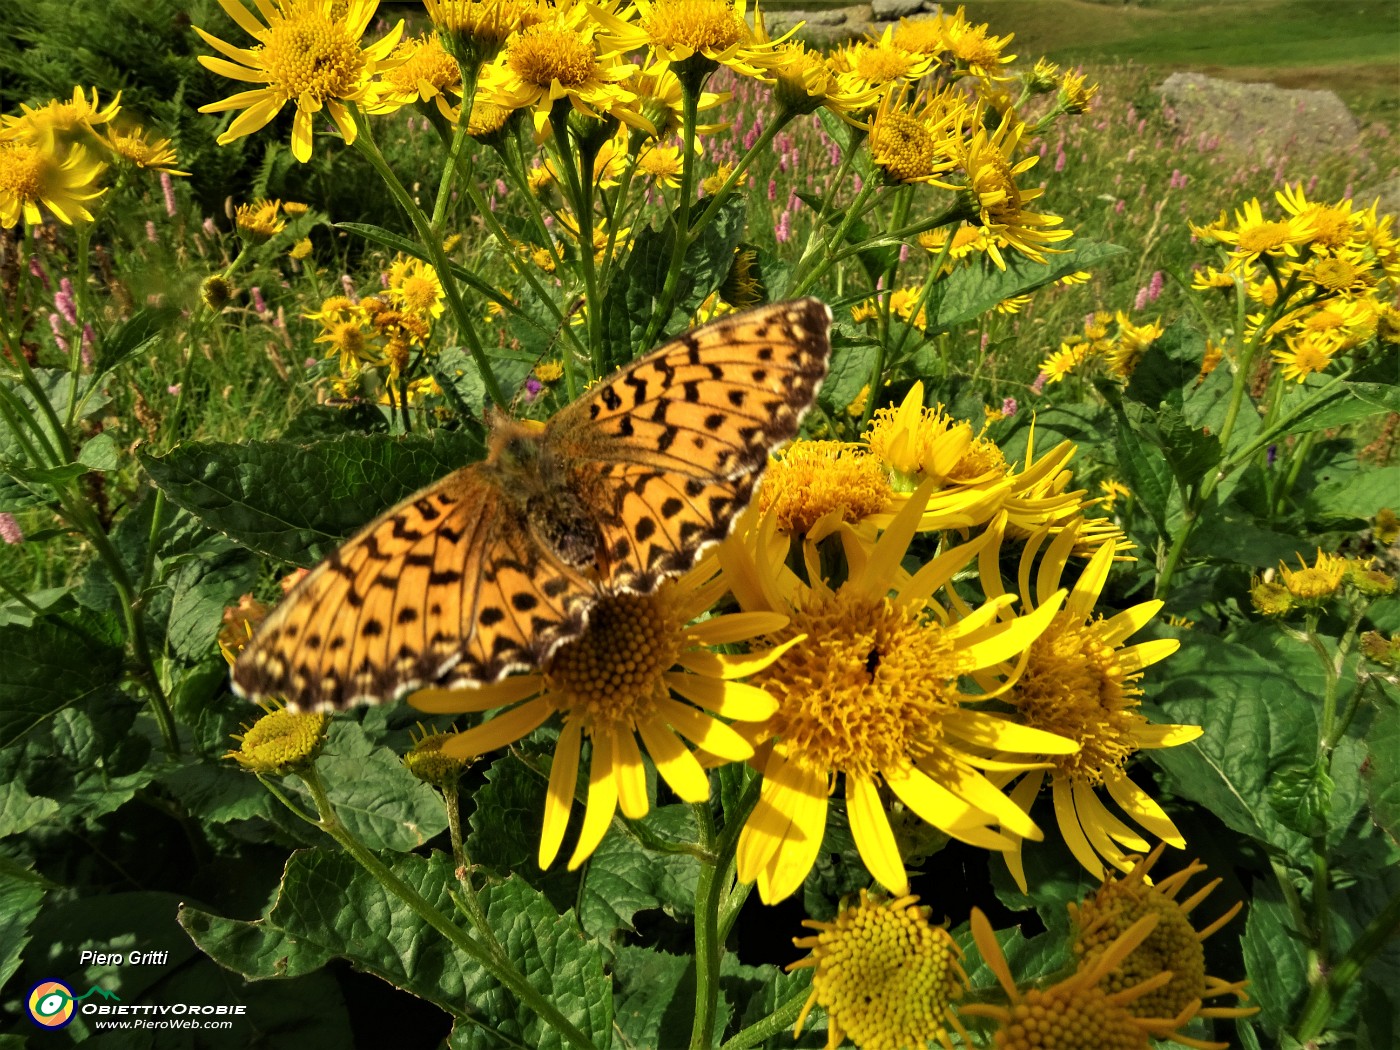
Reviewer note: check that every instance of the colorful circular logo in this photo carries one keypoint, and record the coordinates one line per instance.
(50, 1004)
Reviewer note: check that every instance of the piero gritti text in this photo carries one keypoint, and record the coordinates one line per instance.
(94, 958)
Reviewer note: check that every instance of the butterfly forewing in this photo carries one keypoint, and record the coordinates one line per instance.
(462, 582)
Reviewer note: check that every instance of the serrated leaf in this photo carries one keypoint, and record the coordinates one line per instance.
(216, 793)
(1275, 958)
(973, 289)
(19, 810)
(1145, 472)
(328, 906)
(128, 338)
(100, 453)
(299, 502)
(1301, 796)
(1257, 721)
(255, 949)
(851, 363)
(56, 662)
(655, 996)
(625, 878)
(1308, 408)
(19, 906)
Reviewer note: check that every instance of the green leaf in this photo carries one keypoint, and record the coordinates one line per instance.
(1145, 472)
(299, 502)
(1257, 722)
(973, 289)
(655, 996)
(1347, 488)
(384, 805)
(852, 359)
(625, 878)
(322, 422)
(257, 949)
(100, 453)
(1168, 370)
(19, 905)
(1275, 958)
(130, 337)
(330, 907)
(1301, 796)
(1308, 408)
(56, 662)
(1030, 958)
(1382, 773)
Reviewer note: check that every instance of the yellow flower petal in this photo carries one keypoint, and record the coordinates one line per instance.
(500, 731)
(559, 800)
(738, 700)
(870, 828)
(477, 698)
(674, 761)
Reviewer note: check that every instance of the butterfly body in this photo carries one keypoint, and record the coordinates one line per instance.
(493, 567)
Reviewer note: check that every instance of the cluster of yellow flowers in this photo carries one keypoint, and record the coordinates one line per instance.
(378, 339)
(56, 156)
(931, 97)
(888, 977)
(1319, 282)
(1315, 586)
(1110, 338)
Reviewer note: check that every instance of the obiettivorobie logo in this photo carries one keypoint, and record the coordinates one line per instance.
(52, 1004)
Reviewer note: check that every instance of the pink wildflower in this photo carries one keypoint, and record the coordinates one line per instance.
(10, 531)
(167, 187)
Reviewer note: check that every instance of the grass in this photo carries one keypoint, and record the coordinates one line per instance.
(1347, 46)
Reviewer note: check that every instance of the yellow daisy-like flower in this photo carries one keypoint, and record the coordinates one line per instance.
(662, 164)
(32, 174)
(1133, 341)
(811, 480)
(872, 695)
(1075, 95)
(886, 976)
(967, 241)
(61, 122)
(1305, 355)
(563, 57)
(1076, 1012)
(1080, 681)
(914, 144)
(308, 54)
(414, 285)
(975, 50)
(1066, 360)
(1173, 946)
(476, 30)
(419, 70)
(640, 670)
(133, 146)
(986, 161)
(281, 741)
(1341, 274)
(695, 36)
(261, 219)
(1314, 584)
(804, 81)
(1254, 236)
(661, 101)
(875, 65)
(1332, 226)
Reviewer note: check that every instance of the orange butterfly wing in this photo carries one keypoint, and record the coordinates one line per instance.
(449, 582)
(670, 449)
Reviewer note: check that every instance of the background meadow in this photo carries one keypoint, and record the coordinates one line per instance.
(231, 419)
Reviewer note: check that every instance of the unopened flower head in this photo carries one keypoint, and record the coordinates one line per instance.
(281, 742)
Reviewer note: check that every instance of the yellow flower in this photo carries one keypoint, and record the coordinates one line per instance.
(308, 54)
(872, 694)
(662, 164)
(562, 57)
(1076, 1012)
(1074, 95)
(261, 219)
(300, 250)
(695, 36)
(618, 681)
(814, 480)
(61, 123)
(548, 371)
(913, 145)
(804, 81)
(476, 30)
(415, 287)
(712, 184)
(419, 70)
(1306, 354)
(1080, 682)
(660, 100)
(1254, 236)
(1270, 598)
(1133, 341)
(1065, 360)
(1173, 946)
(426, 761)
(1314, 584)
(33, 174)
(884, 974)
(986, 162)
(280, 742)
(743, 286)
(967, 241)
(875, 65)
(1338, 274)
(135, 148)
(1331, 226)
(1113, 491)
(974, 49)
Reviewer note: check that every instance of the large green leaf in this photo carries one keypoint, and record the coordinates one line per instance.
(299, 502)
(1275, 957)
(330, 907)
(1168, 370)
(973, 289)
(625, 878)
(1382, 773)
(56, 662)
(19, 905)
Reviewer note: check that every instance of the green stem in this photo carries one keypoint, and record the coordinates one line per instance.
(365, 143)
(742, 165)
(502, 969)
(707, 943)
(690, 108)
(826, 258)
(775, 1024)
(1327, 995)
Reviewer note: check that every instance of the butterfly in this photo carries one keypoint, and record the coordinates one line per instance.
(493, 567)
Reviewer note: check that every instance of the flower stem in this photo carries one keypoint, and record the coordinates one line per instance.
(707, 943)
(1326, 995)
(690, 106)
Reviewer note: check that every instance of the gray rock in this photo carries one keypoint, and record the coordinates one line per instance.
(893, 10)
(1262, 120)
(1387, 191)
